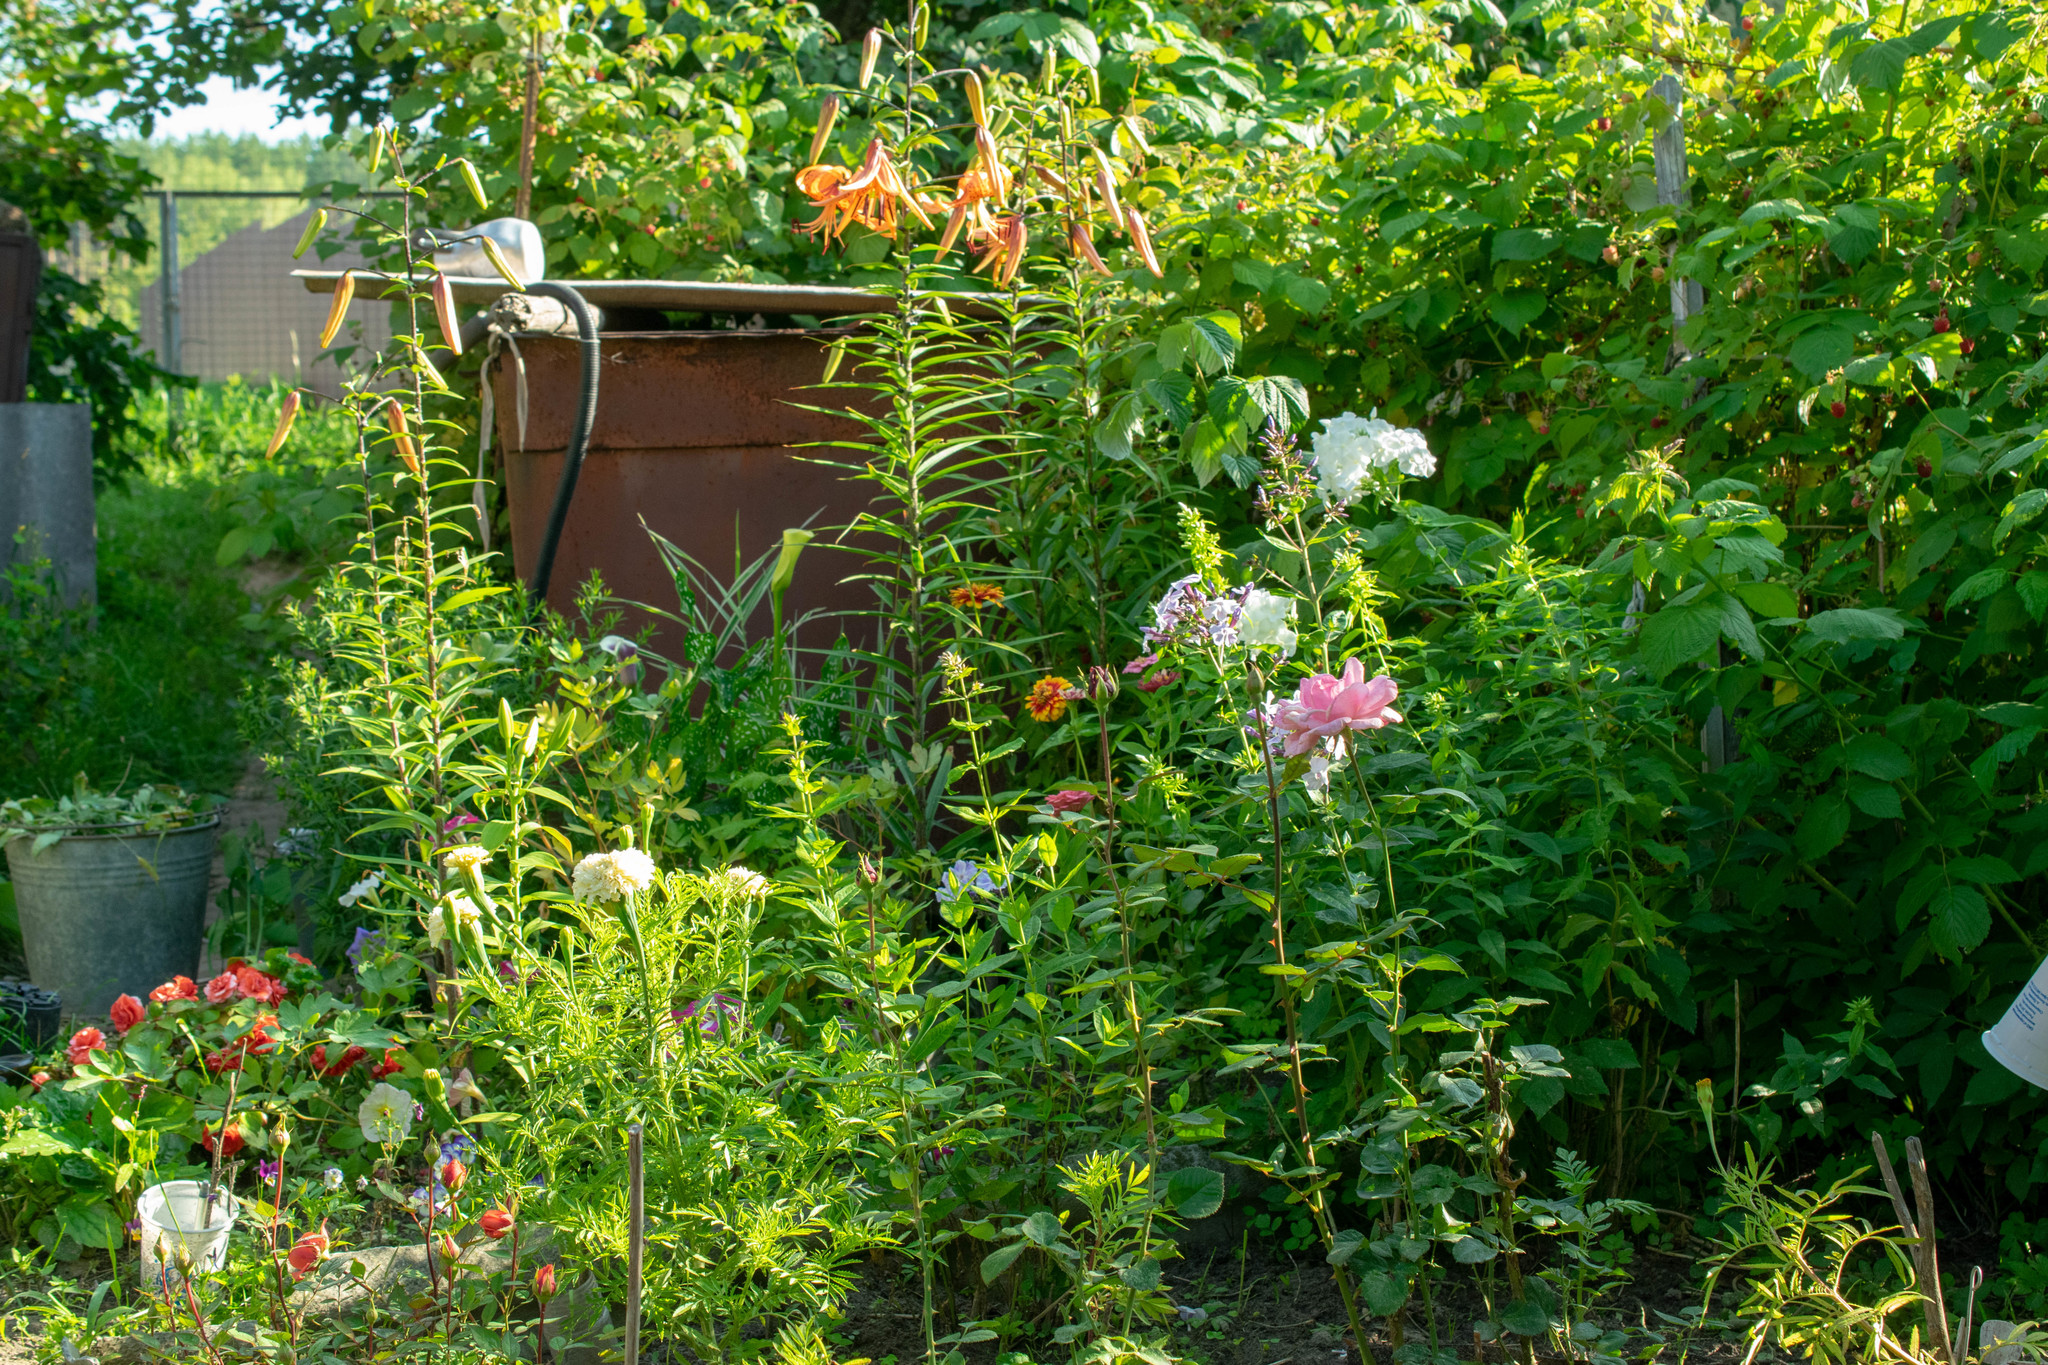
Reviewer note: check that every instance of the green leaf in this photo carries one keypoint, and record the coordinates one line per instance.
(1678, 635)
(1042, 1227)
(1873, 797)
(1773, 601)
(1384, 1293)
(1961, 919)
(2019, 512)
(1471, 1251)
(1311, 296)
(1978, 586)
(1844, 624)
(1516, 308)
(1525, 1318)
(999, 1260)
(1116, 435)
(1820, 349)
(233, 545)
(1878, 757)
(1881, 66)
(1609, 1054)
(1394, 229)
(1143, 1277)
(1524, 244)
(1279, 398)
(1194, 1192)
(1822, 828)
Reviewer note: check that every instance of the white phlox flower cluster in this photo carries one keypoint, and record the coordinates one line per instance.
(1355, 454)
(1264, 620)
(603, 877)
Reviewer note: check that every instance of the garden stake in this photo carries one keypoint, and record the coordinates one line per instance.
(636, 1204)
(1923, 1204)
(1970, 1308)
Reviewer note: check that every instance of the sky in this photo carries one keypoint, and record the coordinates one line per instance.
(236, 113)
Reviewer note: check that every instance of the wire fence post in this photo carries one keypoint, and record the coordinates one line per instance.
(170, 360)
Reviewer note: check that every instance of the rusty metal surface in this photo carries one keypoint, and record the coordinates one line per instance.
(21, 265)
(677, 296)
(693, 434)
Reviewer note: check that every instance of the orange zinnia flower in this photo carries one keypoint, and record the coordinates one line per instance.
(977, 595)
(1047, 701)
(869, 196)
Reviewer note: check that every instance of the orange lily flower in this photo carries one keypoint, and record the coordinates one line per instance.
(985, 181)
(869, 196)
(1005, 248)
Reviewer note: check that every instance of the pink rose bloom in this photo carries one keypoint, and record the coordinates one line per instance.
(1324, 707)
(222, 989)
(1067, 801)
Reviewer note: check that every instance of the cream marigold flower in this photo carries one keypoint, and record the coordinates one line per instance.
(602, 877)
(736, 883)
(465, 857)
(467, 917)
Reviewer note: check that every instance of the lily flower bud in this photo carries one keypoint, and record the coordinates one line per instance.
(337, 312)
(287, 413)
(870, 53)
(828, 114)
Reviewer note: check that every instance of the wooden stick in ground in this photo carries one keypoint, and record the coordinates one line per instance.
(636, 1203)
(1921, 1272)
(1923, 1208)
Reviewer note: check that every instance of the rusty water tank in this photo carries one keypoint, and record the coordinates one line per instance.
(698, 435)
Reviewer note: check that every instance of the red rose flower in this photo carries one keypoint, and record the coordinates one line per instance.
(258, 1038)
(495, 1223)
(222, 989)
(544, 1282)
(127, 1012)
(82, 1045)
(230, 1143)
(307, 1252)
(177, 988)
(299, 958)
(454, 1175)
(226, 1059)
(40, 1079)
(340, 1065)
(253, 983)
(389, 1066)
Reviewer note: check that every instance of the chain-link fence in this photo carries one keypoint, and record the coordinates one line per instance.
(221, 302)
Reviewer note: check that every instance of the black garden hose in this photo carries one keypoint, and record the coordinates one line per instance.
(579, 429)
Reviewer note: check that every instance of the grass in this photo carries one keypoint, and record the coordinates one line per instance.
(149, 690)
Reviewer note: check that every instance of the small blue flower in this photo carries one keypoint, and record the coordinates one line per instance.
(368, 943)
(964, 878)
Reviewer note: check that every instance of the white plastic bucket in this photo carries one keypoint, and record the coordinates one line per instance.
(2019, 1042)
(174, 1214)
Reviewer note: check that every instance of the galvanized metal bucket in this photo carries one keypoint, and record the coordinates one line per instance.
(104, 915)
